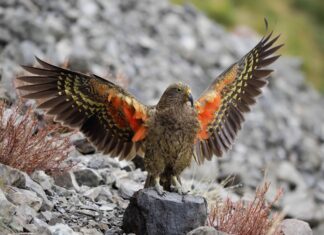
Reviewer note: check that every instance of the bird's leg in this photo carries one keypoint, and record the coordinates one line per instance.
(158, 187)
(177, 186)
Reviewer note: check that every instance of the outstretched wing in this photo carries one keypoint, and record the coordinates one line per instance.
(111, 118)
(220, 108)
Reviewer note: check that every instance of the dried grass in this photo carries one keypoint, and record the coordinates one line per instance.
(27, 146)
(247, 218)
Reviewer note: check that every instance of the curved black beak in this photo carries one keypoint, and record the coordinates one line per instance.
(190, 99)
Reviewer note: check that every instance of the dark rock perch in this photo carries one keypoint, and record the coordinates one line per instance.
(171, 214)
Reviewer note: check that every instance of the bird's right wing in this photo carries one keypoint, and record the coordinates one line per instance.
(111, 118)
(220, 108)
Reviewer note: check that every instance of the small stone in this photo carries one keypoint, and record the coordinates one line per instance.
(88, 212)
(206, 230)
(47, 215)
(88, 177)
(84, 146)
(39, 222)
(108, 207)
(295, 226)
(149, 213)
(99, 161)
(92, 193)
(108, 177)
(56, 220)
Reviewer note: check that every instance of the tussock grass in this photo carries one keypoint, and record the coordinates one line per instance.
(247, 217)
(27, 146)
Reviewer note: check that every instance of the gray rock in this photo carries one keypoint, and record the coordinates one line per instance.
(88, 177)
(149, 213)
(7, 209)
(47, 215)
(90, 231)
(43, 180)
(287, 171)
(4, 93)
(101, 192)
(56, 220)
(20, 179)
(24, 197)
(294, 226)
(24, 215)
(67, 180)
(61, 229)
(205, 230)
(84, 146)
(33, 186)
(128, 187)
(301, 205)
(11, 176)
(99, 161)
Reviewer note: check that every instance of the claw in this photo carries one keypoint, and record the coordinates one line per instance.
(178, 187)
(158, 188)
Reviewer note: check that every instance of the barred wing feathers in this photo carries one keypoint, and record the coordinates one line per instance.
(111, 118)
(221, 107)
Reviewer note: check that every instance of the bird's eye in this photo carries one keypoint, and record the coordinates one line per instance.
(178, 89)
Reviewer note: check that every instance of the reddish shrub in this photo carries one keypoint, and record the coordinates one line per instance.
(247, 218)
(27, 146)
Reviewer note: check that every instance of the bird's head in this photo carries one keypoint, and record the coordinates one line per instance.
(177, 94)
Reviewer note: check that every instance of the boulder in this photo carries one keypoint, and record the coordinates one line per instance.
(170, 214)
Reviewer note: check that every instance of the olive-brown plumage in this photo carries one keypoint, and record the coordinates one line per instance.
(167, 135)
(170, 139)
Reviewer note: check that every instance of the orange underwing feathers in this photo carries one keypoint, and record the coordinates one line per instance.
(110, 117)
(220, 108)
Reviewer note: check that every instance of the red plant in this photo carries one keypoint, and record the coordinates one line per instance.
(247, 218)
(27, 146)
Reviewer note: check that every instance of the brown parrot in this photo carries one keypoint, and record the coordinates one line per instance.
(167, 135)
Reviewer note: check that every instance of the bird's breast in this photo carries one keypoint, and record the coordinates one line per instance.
(173, 132)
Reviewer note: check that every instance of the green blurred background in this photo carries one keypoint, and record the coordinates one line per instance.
(300, 22)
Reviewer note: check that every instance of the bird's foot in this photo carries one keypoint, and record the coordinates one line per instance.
(158, 187)
(178, 187)
(181, 190)
(159, 190)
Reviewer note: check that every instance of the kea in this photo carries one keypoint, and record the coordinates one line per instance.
(168, 135)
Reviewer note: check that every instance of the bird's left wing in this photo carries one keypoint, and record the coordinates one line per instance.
(220, 108)
(112, 119)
